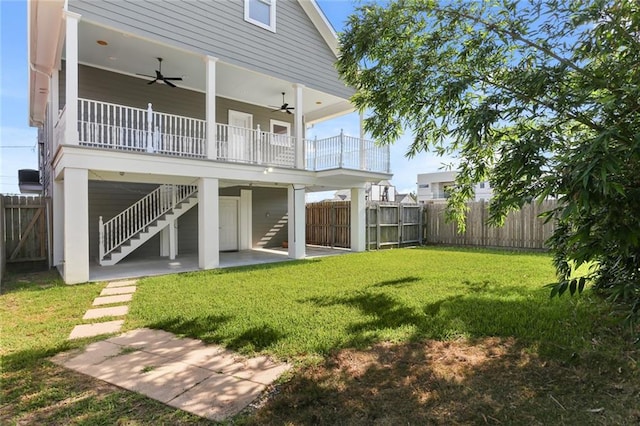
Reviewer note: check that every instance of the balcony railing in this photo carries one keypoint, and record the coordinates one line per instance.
(112, 126)
(346, 152)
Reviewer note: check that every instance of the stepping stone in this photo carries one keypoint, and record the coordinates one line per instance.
(121, 283)
(118, 290)
(114, 311)
(107, 300)
(90, 330)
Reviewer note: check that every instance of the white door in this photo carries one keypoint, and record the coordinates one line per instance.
(228, 224)
(240, 135)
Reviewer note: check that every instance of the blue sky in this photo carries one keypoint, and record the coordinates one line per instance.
(18, 140)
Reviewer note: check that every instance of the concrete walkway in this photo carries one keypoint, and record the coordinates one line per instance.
(116, 293)
(206, 380)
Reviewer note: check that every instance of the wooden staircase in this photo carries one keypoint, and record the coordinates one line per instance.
(123, 234)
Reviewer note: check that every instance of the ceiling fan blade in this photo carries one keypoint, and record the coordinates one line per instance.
(284, 106)
(152, 81)
(168, 83)
(290, 108)
(288, 112)
(173, 78)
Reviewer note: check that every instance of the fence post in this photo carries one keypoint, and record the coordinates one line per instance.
(101, 238)
(341, 148)
(149, 128)
(315, 153)
(378, 233)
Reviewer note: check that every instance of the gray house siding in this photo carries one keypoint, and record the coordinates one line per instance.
(269, 216)
(106, 86)
(296, 52)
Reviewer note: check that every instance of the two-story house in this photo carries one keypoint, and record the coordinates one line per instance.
(178, 127)
(433, 187)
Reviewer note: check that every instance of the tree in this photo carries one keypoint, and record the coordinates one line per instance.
(540, 97)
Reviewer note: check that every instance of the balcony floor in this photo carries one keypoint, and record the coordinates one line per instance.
(137, 268)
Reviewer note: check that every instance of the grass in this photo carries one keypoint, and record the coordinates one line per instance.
(304, 310)
(419, 336)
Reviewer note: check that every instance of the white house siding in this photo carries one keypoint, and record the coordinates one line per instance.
(296, 52)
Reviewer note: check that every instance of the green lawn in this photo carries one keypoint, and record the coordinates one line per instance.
(427, 335)
(305, 309)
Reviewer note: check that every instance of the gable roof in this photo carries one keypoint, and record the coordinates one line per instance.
(322, 24)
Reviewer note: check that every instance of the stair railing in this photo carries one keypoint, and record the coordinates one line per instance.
(141, 214)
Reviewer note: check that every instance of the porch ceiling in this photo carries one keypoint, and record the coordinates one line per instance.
(128, 54)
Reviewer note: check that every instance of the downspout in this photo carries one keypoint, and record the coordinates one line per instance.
(46, 74)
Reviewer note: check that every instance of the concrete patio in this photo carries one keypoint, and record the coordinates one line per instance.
(136, 268)
(206, 380)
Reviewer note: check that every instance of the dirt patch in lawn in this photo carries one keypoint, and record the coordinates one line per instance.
(488, 381)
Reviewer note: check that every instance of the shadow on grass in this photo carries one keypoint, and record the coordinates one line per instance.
(255, 339)
(400, 282)
(203, 328)
(483, 381)
(553, 327)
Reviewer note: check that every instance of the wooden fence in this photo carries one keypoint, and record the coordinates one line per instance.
(398, 225)
(393, 225)
(329, 224)
(24, 222)
(523, 229)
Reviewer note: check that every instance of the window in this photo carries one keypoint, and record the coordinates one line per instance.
(280, 132)
(261, 13)
(423, 185)
(481, 185)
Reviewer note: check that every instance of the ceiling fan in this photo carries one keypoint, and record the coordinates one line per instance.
(160, 77)
(284, 107)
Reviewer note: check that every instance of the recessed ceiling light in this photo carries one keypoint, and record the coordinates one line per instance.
(318, 102)
(113, 58)
(102, 42)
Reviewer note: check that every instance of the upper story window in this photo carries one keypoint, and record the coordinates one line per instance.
(261, 13)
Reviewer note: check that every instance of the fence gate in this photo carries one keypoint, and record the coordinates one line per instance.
(329, 224)
(25, 228)
(393, 225)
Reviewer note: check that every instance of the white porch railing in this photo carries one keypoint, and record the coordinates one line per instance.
(118, 230)
(244, 145)
(107, 125)
(113, 126)
(347, 152)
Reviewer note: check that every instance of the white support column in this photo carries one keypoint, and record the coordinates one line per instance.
(164, 241)
(299, 126)
(211, 108)
(76, 226)
(173, 239)
(363, 148)
(208, 224)
(54, 106)
(58, 222)
(71, 78)
(296, 223)
(246, 214)
(358, 219)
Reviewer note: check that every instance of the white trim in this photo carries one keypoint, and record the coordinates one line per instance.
(237, 201)
(274, 139)
(233, 112)
(272, 15)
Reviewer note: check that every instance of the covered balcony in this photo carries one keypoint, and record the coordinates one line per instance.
(118, 127)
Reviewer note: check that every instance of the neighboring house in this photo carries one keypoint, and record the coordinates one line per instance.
(136, 167)
(434, 187)
(374, 192)
(406, 199)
